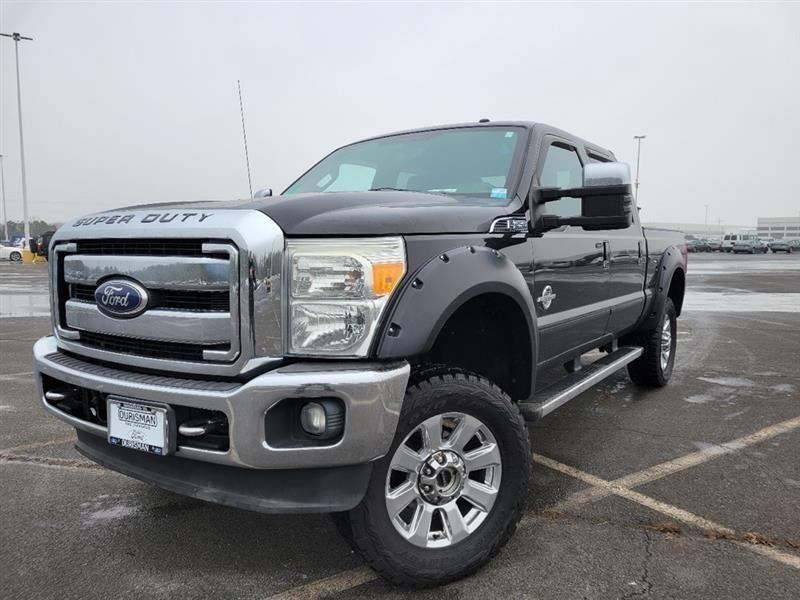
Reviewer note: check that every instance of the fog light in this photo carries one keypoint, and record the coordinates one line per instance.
(313, 418)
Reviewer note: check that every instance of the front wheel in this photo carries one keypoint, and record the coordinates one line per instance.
(450, 491)
(654, 367)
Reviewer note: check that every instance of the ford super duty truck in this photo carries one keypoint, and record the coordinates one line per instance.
(368, 342)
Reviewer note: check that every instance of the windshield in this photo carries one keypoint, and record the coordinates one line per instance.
(472, 161)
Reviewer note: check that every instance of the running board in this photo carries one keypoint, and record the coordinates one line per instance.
(563, 391)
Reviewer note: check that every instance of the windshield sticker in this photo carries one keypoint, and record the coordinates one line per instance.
(324, 181)
(509, 134)
(499, 193)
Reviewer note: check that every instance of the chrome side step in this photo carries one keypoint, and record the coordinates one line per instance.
(563, 391)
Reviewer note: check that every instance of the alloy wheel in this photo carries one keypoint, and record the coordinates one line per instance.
(443, 480)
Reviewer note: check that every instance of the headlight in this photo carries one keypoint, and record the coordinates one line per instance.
(338, 290)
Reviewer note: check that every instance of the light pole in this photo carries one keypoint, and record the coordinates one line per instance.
(638, 139)
(706, 221)
(3, 191)
(17, 37)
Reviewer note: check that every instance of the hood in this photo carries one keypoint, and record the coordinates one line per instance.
(370, 213)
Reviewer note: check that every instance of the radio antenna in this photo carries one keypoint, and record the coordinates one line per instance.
(244, 135)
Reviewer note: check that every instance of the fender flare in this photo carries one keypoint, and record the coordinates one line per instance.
(440, 287)
(671, 262)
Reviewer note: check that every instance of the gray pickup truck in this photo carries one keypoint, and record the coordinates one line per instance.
(368, 342)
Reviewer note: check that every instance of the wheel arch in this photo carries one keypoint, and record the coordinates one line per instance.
(457, 301)
(668, 281)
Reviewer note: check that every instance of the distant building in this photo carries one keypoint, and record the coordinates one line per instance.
(700, 230)
(779, 227)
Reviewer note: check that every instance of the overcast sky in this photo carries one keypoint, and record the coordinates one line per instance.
(130, 103)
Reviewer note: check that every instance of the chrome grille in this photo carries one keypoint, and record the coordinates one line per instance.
(166, 299)
(214, 281)
(142, 247)
(147, 348)
(193, 311)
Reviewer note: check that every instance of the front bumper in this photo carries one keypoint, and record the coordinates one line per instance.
(371, 392)
(328, 489)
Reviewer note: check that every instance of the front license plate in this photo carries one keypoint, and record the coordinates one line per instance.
(137, 426)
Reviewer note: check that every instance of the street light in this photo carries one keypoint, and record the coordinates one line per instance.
(638, 139)
(17, 37)
(3, 192)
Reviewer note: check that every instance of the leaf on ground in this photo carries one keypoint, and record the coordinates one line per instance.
(668, 529)
(716, 534)
(751, 537)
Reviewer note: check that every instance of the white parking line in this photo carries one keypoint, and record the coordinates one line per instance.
(678, 464)
(601, 488)
(330, 585)
(49, 462)
(10, 376)
(34, 445)
(665, 509)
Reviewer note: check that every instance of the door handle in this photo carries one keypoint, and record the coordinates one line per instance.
(606, 253)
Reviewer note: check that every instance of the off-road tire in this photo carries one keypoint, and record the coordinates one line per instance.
(431, 391)
(646, 370)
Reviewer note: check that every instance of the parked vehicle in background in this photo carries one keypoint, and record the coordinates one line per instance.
(697, 246)
(731, 238)
(752, 245)
(12, 253)
(43, 244)
(782, 246)
(715, 245)
(765, 242)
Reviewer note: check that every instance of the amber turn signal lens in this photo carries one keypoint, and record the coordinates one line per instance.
(385, 277)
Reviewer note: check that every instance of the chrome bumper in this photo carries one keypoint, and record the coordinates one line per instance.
(372, 394)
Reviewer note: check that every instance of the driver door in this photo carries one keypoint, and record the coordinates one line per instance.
(571, 267)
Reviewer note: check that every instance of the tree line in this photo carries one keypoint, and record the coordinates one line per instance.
(38, 227)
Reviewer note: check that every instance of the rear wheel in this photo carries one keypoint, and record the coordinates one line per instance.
(15, 256)
(654, 367)
(449, 493)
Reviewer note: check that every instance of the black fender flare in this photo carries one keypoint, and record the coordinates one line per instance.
(671, 261)
(440, 287)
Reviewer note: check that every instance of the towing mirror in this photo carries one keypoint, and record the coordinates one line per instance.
(606, 199)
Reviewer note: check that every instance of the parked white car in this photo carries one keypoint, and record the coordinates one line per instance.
(730, 240)
(11, 253)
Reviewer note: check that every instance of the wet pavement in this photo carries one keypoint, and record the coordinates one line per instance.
(691, 491)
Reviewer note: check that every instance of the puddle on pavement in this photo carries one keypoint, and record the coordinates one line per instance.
(24, 305)
(741, 302)
(741, 266)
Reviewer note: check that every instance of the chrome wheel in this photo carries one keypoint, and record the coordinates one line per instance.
(443, 480)
(666, 343)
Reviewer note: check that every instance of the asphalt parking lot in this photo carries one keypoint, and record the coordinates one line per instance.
(691, 491)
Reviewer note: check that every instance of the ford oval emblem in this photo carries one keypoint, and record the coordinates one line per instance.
(121, 298)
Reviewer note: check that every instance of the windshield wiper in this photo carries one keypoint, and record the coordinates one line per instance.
(394, 189)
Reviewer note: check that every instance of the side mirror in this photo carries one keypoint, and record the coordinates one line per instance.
(265, 193)
(606, 199)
